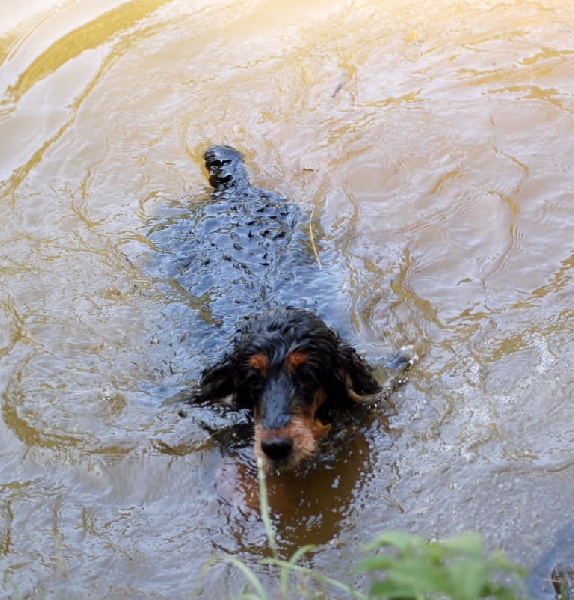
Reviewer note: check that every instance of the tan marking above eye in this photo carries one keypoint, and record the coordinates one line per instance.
(296, 359)
(259, 362)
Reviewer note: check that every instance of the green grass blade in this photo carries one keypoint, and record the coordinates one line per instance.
(250, 575)
(264, 508)
(284, 564)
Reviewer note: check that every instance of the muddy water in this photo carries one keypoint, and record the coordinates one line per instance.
(431, 142)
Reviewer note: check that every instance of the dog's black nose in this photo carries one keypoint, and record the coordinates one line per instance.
(277, 448)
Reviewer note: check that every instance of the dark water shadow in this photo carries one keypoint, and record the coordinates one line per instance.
(539, 581)
(310, 505)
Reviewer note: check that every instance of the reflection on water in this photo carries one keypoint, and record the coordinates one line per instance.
(429, 141)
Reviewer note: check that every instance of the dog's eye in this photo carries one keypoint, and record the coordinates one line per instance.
(296, 360)
(259, 362)
(305, 375)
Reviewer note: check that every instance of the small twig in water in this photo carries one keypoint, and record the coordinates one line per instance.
(312, 239)
(337, 89)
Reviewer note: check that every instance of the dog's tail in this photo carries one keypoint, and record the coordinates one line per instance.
(226, 168)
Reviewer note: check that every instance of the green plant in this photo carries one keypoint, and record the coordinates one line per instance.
(403, 567)
(412, 568)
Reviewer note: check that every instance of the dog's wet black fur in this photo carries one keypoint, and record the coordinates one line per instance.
(247, 252)
(244, 249)
(293, 372)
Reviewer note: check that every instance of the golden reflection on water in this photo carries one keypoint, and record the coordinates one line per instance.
(89, 36)
(432, 142)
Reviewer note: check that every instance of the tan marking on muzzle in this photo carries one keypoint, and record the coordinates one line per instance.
(299, 430)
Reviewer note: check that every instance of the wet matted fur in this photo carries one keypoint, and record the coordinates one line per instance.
(285, 365)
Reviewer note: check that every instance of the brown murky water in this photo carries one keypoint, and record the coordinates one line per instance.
(433, 141)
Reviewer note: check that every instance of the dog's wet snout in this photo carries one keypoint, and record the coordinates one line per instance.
(277, 448)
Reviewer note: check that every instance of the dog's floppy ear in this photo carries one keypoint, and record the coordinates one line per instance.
(357, 374)
(217, 382)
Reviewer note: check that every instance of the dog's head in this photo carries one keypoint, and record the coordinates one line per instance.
(290, 369)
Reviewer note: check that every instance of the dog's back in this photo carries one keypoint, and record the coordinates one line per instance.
(240, 251)
(244, 234)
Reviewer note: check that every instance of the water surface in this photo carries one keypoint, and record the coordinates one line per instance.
(430, 143)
